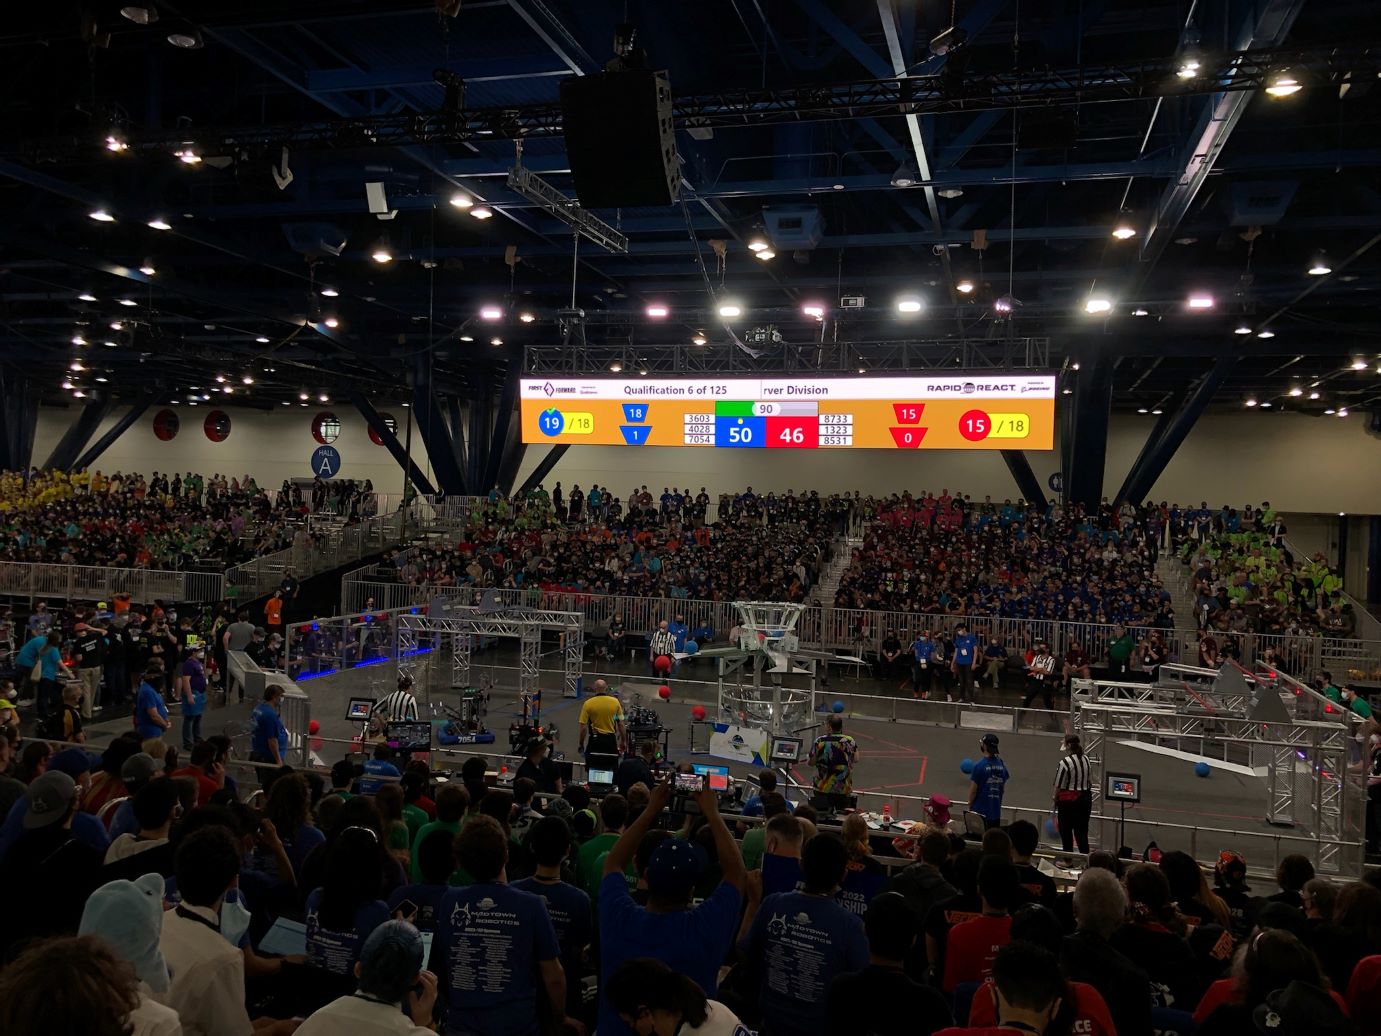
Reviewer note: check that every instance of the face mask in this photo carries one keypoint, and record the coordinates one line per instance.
(235, 918)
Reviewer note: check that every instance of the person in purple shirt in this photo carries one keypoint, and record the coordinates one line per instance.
(691, 940)
(494, 945)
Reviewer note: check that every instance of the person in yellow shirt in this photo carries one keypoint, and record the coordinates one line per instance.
(602, 728)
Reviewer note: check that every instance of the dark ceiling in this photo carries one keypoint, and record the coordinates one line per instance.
(1232, 193)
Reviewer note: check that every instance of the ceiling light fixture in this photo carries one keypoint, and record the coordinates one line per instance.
(1359, 364)
(220, 379)
(140, 14)
(248, 379)
(964, 287)
(526, 317)
(127, 302)
(765, 254)
(814, 310)
(86, 297)
(909, 304)
(1330, 411)
(491, 313)
(1157, 412)
(187, 155)
(186, 39)
(1265, 334)
(262, 340)
(159, 224)
(67, 385)
(329, 293)
(115, 325)
(1313, 395)
(467, 338)
(1142, 410)
(496, 340)
(381, 254)
(1251, 402)
(102, 379)
(76, 365)
(951, 192)
(101, 216)
(116, 143)
(1319, 267)
(78, 340)
(482, 212)
(1342, 412)
(324, 398)
(147, 270)
(1066, 392)
(698, 338)
(1123, 231)
(1200, 302)
(757, 244)
(1188, 69)
(332, 322)
(1098, 304)
(462, 201)
(656, 311)
(1141, 311)
(1283, 85)
(303, 395)
(729, 310)
(1242, 329)
(1296, 391)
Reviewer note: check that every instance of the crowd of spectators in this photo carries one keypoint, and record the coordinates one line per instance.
(166, 521)
(147, 897)
(757, 547)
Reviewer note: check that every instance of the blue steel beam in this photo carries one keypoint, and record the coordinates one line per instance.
(1142, 479)
(341, 80)
(390, 440)
(435, 436)
(1025, 478)
(125, 423)
(78, 433)
(1266, 26)
(1089, 439)
(543, 468)
(1147, 448)
(848, 38)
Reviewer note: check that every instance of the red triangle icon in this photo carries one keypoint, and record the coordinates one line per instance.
(908, 413)
(907, 438)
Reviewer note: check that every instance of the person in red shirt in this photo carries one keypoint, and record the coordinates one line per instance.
(1084, 1007)
(1029, 989)
(972, 945)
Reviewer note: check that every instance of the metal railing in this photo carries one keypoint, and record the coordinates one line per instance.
(99, 583)
(316, 552)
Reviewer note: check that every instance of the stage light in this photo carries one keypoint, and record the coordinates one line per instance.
(467, 338)
(101, 216)
(116, 325)
(186, 39)
(765, 254)
(140, 14)
(1319, 267)
(147, 270)
(1283, 85)
(482, 212)
(324, 398)
(1330, 411)
(656, 311)
(757, 244)
(814, 310)
(1200, 302)
(1097, 304)
(1242, 329)
(329, 293)
(1157, 412)
(616, 366)
(86, 297)
(381, 254)
(102, 379)
(1074, 366)
(1142, 410)
(1005, 304)
(462, 201)
(698, 338)
(220, 379)
(127, 302)
(76, 365)
(187, 155)
(1265, 404)
(67, 385)
(262, 340)
(116, 143)
(159, 224)
(1123, 231)
(110, 345)
(78, 340)
(909, 304)
(526, 317)
(1296, 391)
(1313, 395)
(303, 395)
(1342, 412)
(1141, 311)
(964, 287)
(248, 379)
(491, 313)
(332, 322)
(1265, 334)
(1251, 402)
(729, 310)
(496, 340)
(1188, 69)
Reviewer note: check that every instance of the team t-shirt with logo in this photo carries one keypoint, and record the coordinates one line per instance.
(803, 942)
(971, 947)
(489, 940)
(337, 951)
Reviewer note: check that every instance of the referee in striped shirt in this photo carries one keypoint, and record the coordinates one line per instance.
(398, 707)
(1073, 795)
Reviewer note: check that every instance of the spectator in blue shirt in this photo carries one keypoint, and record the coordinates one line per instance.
(377, 770)
(989, 779)
(802, 939)
(268, 738)
(347, 908)
(690, 940)
(568, 906)
(45, 651)
(965, 654)
(678, 629)
(150, 710)
(921, 650)
(494, 945)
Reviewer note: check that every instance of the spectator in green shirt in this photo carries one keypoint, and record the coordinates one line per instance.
(613, 814)
(1356, 702)
(451, 803)
(1120, 652)
(755, 839)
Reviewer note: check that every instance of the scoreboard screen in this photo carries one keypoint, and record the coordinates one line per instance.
(989, 411)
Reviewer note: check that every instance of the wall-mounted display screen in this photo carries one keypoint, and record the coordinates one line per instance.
(960, 411)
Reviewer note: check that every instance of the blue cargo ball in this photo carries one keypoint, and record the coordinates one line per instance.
(966, 766)
(692, 647)
(1202, 769)
(1052, 829)
(838, 706)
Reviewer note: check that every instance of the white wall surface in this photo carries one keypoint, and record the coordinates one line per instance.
(271, 446)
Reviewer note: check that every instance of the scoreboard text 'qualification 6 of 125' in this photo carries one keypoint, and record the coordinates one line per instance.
(960, 411)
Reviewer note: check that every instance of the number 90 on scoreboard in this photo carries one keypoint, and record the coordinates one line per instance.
(959, 412)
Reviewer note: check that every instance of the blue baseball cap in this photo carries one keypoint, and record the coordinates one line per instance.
(674, 867)
(129, 916)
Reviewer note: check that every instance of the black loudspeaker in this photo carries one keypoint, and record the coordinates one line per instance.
(620, 139)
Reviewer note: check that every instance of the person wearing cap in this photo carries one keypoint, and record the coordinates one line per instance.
(128, 917)
(76, 764)
(396, 994)
(690, 940)
(988, 781)
(135, 772)
(495, 946)
(191, 689)
(88, 655)
(652, 999)
(52, 869)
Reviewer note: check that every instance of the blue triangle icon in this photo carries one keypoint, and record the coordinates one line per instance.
(635, 434)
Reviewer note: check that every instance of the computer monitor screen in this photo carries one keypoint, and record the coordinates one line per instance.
(710, 768)
(1124, 787)
(786, 749)
(407, 735)
(718, 781)
(601, 776)
(358, 710)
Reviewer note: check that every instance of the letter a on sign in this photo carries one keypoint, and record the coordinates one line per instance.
(326, 461)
